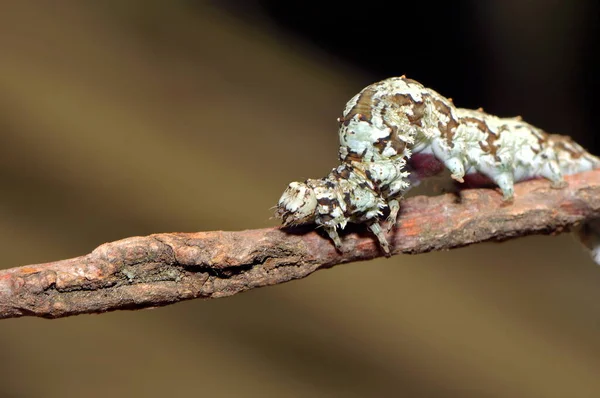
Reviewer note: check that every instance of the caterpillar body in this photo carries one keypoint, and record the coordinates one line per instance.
(396, 132)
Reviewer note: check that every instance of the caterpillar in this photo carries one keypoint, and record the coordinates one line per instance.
(396, 132)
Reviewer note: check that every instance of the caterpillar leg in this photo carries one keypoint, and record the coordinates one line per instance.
(448, 157)
(456, 167)
(394, 206)
(553, 173)
(378, 232)
(505, 182)
(335, 237)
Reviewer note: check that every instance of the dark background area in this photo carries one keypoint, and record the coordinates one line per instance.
(482, 53)
(125, 118)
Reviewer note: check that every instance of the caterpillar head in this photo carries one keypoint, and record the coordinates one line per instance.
(298, 204)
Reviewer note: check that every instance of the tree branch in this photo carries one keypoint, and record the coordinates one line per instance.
(161, 269)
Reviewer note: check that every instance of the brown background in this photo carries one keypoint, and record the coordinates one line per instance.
(129, 118)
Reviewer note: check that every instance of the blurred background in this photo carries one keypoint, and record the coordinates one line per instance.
(123, 118)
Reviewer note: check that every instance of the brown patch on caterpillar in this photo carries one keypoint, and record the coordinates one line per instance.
(481, 125)
(536, 150)
(381, 143)
(444, 131)
(368, 187)
(369, 176)
(375, 182)
(417, 107)
(489, 145)
(329, 204)
(542, 139)
(401, 99)
(393, 139)
(447, 129)
(355, 156)
(442, 107)
(363, 107)
(564, 143)
(351, 206)
(348, 200)
(342, 174)
(451, 127)
(324, 201)
(397, 144)
(330, 184)
(418, 111)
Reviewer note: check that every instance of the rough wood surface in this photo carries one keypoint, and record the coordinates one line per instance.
(161, 269)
